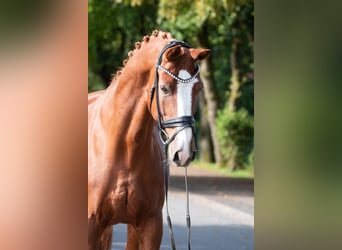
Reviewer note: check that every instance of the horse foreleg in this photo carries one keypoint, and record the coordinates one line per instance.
(106, 238)
(99, 237)
(151, 232)
(132, 238)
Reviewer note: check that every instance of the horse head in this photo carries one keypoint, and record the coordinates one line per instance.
(177, 86)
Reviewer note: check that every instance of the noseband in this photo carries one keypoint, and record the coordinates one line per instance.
(180, 122)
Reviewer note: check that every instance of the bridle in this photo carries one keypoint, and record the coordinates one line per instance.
(181, 122)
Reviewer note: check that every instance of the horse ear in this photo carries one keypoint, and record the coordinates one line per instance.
(199, 54)
(174, 52)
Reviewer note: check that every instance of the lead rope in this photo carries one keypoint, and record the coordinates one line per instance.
(166, 186)
(188, 219)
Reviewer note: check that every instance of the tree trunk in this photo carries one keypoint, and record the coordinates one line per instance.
(212, 104)
(233, 97)
(235, 82)
(205, 143)
(210, 93)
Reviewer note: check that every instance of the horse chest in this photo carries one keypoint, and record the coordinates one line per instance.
(129, 203)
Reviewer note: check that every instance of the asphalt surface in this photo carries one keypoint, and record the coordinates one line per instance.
(221, 209)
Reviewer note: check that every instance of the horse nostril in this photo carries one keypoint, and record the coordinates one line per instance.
(176, 158)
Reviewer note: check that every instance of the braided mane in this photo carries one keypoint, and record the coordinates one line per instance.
(138, 45)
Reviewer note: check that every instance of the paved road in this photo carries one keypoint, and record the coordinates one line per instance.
(221, 208)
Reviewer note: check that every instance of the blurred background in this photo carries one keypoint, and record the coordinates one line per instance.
(225, 117)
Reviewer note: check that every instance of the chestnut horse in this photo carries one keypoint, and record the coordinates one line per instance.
(150, 102)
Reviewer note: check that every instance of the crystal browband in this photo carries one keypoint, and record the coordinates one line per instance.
(181, 80)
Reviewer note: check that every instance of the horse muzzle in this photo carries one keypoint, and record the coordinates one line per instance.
(182, 149)
(181, 159)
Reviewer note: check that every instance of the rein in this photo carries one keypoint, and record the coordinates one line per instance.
(181, 123)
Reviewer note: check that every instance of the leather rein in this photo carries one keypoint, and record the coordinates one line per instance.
(181, 123)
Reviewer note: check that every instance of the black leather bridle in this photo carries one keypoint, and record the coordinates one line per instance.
(181, 123)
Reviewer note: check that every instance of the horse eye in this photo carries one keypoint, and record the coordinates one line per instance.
(165, 89)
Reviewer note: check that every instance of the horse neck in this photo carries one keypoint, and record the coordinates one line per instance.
(124, 111)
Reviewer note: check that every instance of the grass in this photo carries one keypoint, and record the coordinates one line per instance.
(212, 167)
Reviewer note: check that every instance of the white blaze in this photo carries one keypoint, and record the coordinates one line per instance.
(184, 108)
(184, 94)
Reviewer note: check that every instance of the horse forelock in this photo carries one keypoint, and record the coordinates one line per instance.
(156, 35)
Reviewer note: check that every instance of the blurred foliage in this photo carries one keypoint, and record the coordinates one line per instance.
(115, 25)
(236, 137)
(224, 21)
(113, 30)
(21, 22)
(96, 82)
